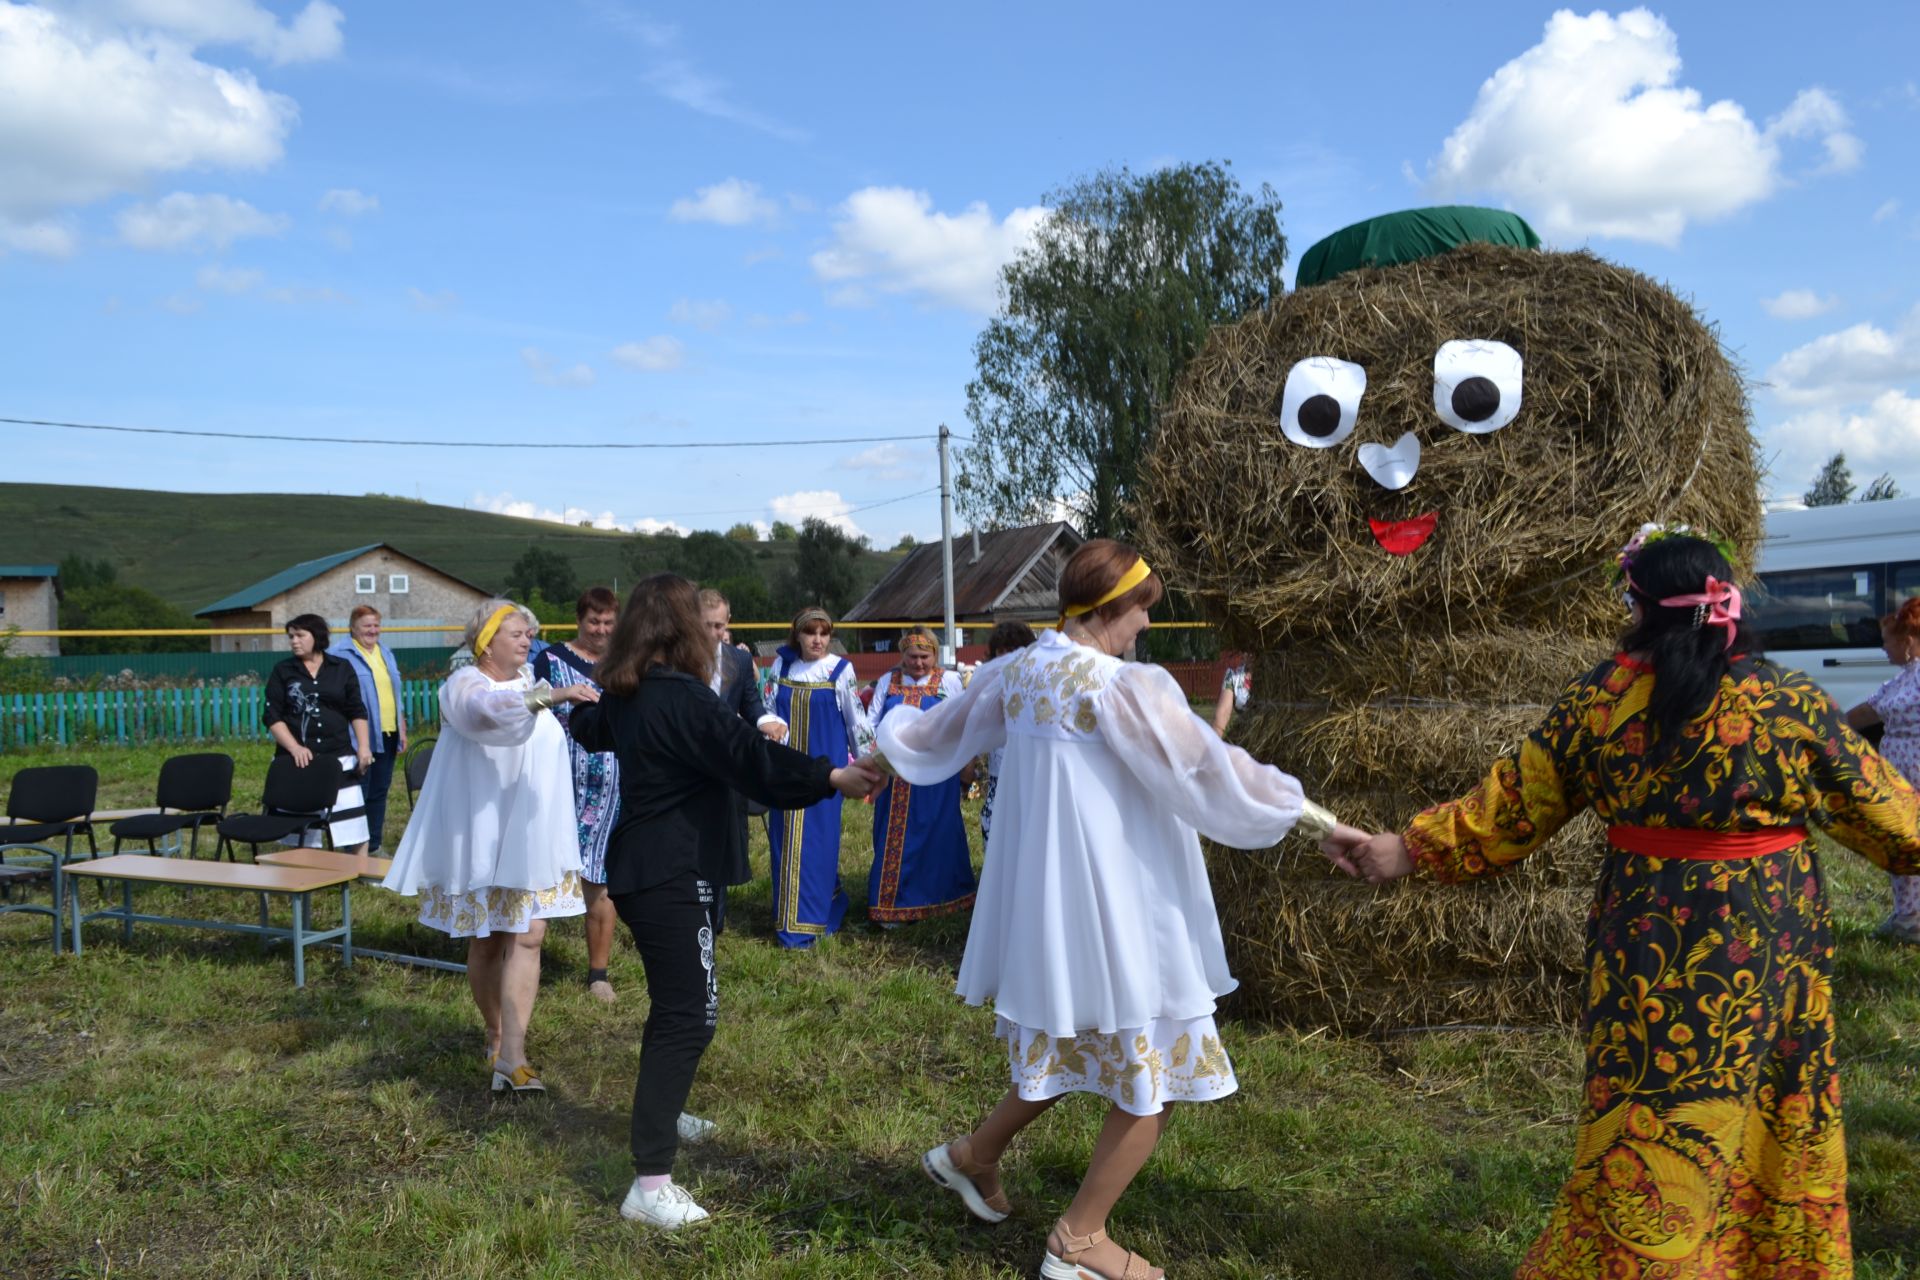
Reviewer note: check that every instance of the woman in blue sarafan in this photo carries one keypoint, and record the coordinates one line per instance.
(815, 695)
(921, 864)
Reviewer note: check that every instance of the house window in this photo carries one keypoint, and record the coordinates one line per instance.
(363, 583)
(397, 584)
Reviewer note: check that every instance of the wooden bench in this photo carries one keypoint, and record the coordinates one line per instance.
(295, 883)
(367, 867)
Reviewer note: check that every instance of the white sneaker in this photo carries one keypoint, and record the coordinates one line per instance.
(668, 1208)
(694, 1129)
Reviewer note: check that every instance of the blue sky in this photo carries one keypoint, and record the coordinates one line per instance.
(588, 220)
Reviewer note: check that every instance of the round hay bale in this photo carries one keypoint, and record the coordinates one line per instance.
(1390, 682)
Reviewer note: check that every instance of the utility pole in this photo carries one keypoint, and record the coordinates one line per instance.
(949, 648)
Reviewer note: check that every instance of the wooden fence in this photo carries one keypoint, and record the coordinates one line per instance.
(126, 716)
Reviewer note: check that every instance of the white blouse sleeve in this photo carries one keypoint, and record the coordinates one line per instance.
(1181, 762)
(928, 747)
(859, 733)
(473, 708)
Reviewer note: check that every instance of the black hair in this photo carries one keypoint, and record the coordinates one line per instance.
(314, 625)
(1008, 636)
(1689, 660)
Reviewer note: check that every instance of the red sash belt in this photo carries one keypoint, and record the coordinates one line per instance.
(1703, 846)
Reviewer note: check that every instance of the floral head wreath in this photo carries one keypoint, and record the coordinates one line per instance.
(1650, 533)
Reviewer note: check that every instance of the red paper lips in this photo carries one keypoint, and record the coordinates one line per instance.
(1403, 537)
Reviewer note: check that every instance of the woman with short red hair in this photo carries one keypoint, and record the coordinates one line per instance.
(1094, 931)
(1897, 707)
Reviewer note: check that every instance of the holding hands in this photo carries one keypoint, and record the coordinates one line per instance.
(576, 693)
(1374, 858)
(858, 780)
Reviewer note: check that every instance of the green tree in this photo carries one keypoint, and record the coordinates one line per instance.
(825, 569)
(1881, 489)
(748, 597)
(545, 572)
(906, 543)
(1122, 284)
(116, 606)
(784, 532)
(744, 532)
(1833, 486)
(704, 556)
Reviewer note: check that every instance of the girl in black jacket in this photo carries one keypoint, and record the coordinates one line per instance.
(682, 754)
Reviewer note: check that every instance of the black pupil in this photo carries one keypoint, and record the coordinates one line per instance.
(1476, 399)
(1320, 416)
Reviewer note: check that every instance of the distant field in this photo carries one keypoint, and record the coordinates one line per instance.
(193, 548)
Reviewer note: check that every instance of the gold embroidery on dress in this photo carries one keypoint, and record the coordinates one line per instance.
(1059, 693)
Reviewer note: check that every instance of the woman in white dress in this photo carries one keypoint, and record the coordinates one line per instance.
(1094, 932)
(491, 847)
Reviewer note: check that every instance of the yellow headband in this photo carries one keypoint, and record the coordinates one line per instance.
(485, 638)
(1128, 581)
(918, 642)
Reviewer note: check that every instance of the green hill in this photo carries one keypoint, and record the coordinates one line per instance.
(193, 548)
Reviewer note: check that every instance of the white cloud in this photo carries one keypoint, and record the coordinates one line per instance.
(506, 504)
(339, 237)
(438, 300)
(892, 240)
(819, 504)
(732, 203)
(1590, 133)
(313, 33)
(90, 112)
(761, 320)
(48, 237)
(1852, 365)
(672, 74)
(1882, 435)
(701, 313)
(195, 222)
(654, 355)
(888, 462)
(1813, 113)
(547, 374)
(235, 280)
(1799, 304)
(348, 203)
(300, 295)
(181, 304)
(1886, 210)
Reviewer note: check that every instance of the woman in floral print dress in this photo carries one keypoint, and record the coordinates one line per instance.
(1710, 1144)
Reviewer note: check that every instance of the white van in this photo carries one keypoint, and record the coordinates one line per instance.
(1826, 577)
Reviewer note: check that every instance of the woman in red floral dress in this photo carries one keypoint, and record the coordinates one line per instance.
(1710, 1144)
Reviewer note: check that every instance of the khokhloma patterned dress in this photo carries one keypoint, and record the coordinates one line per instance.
(1094, 931)
(491, 845)
(1709, 1145)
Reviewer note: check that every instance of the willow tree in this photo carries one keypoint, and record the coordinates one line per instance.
(1122, 282)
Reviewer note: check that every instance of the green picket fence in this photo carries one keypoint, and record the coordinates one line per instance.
(122, 716)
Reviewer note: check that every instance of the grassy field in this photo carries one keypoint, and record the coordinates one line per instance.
(193, 549)
(174, 1108)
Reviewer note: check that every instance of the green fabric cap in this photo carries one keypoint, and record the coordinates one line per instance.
(1409, 236)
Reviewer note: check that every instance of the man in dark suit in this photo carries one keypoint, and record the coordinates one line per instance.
(736, 680)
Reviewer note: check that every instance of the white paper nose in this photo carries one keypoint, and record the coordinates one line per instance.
(1392, 468)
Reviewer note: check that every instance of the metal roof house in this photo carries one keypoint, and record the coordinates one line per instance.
(1001, 576)
(407, 591)
(30, 601)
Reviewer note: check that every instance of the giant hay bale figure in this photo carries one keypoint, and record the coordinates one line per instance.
(1401, 488)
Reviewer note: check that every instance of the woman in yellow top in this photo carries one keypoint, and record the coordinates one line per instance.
(380, 689)
(1710, 1141)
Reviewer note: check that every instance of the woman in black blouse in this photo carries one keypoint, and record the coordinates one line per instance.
(312, 702)
(682, 754)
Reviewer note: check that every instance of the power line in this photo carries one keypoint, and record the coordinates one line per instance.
(459, 444)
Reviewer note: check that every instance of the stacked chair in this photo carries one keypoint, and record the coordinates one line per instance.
(294, 802)
(46, 803)
(194, 791)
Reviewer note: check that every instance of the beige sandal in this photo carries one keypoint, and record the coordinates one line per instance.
(952, 1166)
(1062, 1261)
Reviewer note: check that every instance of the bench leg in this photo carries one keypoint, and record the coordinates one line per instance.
(59, 900)
(126, 921)
(346, 925)
(299, 940)
(265, 920)
(73, 901)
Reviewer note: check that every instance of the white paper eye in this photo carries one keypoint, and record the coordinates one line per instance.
(1321, 401)
(1476, 385)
